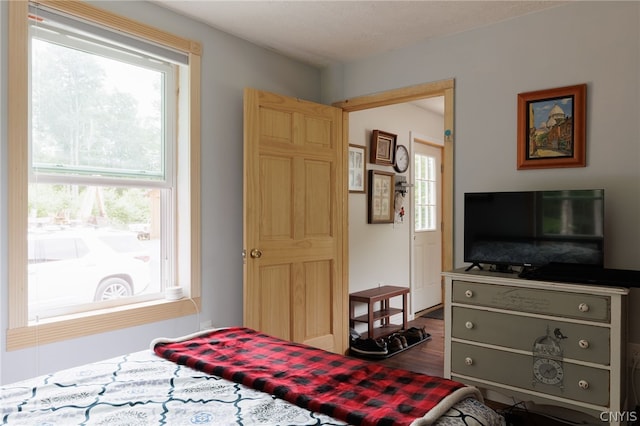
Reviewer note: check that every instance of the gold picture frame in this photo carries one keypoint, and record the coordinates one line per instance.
(552, 127)
(380, 197)
(383, 148)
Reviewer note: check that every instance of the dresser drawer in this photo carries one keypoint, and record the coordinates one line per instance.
(557, 303)
(578, 341)
(517, 370)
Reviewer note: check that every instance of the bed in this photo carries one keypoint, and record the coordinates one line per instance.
(238, 376)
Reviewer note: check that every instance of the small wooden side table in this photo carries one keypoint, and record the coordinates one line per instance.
(371, 297)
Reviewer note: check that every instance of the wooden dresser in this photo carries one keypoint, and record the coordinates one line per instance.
(551, 343)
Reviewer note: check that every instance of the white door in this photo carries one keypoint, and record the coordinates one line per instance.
(427, 232)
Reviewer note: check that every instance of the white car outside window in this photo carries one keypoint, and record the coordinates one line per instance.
(70, 270)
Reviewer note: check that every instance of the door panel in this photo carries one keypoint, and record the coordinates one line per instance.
(276, 175)
(293, 223)
(318, 199)
(318, 313)
(275, 292)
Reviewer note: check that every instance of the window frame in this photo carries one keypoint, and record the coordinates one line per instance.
(21, 334)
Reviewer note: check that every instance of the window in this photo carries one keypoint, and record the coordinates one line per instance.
(95, 137)
(425, 193)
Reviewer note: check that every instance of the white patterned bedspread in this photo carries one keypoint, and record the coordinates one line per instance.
(144, 389)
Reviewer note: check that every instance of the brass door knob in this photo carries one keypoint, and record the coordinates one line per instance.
(255, 253)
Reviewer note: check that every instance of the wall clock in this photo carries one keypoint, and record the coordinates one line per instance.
(402, 159)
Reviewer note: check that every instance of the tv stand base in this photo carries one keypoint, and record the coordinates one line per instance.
(473, 265)
(505, 269)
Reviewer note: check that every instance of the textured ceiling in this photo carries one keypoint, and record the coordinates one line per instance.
(323, 32)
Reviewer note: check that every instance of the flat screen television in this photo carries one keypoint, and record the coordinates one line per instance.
(534, 228)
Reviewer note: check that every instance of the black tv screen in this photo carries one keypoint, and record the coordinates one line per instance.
(534, 228)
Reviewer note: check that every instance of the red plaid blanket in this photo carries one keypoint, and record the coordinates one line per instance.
(352, 390)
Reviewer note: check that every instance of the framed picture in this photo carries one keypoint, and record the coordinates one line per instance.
(383, 148)
(381, 188)
(551, 128)
(357, 175)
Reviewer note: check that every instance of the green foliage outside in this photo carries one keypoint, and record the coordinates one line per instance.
(83, 124)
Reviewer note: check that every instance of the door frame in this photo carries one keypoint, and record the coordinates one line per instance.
(407, 94)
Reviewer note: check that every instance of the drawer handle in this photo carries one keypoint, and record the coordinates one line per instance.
(468, 324)
(583, 307)
(468, 293)
(468, 361)
(584, 344)
(583, 384)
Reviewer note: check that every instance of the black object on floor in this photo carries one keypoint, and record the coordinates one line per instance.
(437, 314)
(388, 346)
(369, 347)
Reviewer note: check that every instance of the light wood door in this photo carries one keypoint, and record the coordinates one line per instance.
(294, 220)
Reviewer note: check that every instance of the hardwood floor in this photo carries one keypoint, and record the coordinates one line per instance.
(427, 357)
